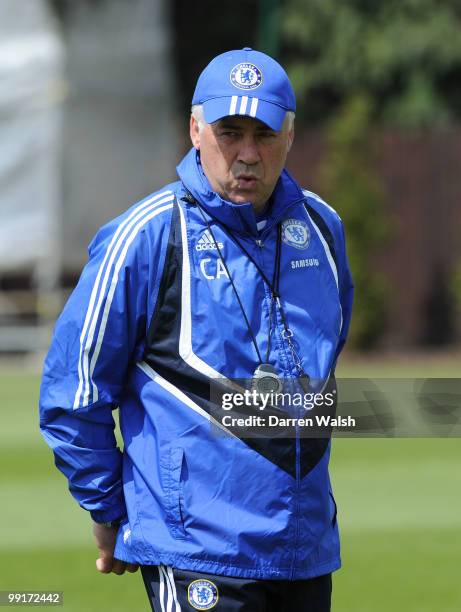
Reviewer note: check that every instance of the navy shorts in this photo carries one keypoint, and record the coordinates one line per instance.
(176, 590)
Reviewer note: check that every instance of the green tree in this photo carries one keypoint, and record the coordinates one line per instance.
(357, 63)
(405, 53)
(348, 177)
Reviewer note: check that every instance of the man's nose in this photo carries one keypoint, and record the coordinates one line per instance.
(249, 152)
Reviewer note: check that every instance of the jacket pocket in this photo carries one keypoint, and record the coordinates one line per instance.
(333, 508)
(174, 496)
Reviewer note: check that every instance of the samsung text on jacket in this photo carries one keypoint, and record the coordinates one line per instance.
(304, 263)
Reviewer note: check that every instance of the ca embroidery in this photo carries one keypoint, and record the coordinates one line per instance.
(212, 269)
(296, 233)
(202, 594)
(246, 76)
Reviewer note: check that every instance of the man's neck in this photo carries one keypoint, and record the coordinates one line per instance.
(260, 209)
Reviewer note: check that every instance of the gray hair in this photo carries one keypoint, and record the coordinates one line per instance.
(197, 112)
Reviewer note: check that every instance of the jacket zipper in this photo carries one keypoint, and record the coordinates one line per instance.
(297, 490)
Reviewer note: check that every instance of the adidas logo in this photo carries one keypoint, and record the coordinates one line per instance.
(206, 243)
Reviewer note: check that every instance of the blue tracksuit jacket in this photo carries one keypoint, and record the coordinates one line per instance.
(151, 320)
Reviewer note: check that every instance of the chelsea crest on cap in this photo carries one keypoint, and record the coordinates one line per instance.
(246, 76)
(245, 82)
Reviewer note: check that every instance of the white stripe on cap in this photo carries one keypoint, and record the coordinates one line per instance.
(233, 105)
(253, 107)
(243, 105)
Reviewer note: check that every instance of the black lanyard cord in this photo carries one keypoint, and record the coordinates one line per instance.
(274, 289)
(253, 339)
(272, 286)
(278, 257)
(191, 199)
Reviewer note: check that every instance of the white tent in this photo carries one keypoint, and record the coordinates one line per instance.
(87, 127)
(120, 141)
(31, 94)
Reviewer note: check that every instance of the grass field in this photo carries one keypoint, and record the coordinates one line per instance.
(399, 511)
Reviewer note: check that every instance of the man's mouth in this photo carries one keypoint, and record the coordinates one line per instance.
(247, 180)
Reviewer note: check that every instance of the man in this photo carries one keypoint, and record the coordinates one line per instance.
(235, 272)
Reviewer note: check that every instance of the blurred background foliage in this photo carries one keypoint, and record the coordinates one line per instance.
(358, 66)
(406, 54)
(349, 178)
(378, 85)
(362, 69)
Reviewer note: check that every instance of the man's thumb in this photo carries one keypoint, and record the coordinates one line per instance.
(104, 564)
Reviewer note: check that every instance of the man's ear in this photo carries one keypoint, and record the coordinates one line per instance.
(194, 132)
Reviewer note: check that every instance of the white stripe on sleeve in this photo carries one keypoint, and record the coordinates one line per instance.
(110, 296)
(92, 313)
(331, 261)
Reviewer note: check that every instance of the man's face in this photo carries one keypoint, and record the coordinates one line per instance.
(242, 157)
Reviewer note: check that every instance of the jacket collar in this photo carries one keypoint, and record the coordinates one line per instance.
(237, 217)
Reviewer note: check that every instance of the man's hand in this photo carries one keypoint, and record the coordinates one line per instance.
(105, 540)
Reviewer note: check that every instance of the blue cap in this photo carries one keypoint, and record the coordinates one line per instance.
(245, 82)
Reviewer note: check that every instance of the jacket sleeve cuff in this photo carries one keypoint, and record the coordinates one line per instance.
(105, 516)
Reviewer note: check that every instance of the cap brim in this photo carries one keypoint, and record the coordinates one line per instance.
(247, 106)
